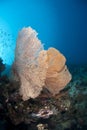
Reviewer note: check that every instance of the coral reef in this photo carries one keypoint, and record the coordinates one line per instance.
(65, 111)
(36, 68)
(2, 66)
(46, 75)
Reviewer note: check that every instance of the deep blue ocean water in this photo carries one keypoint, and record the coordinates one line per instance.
(60, 23)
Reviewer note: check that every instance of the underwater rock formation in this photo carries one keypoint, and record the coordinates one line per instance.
(2, 66)
(36, 68)
(65, 111)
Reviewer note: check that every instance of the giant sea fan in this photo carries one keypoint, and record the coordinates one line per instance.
(36, 68)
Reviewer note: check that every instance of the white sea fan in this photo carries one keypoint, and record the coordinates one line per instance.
(28, 46)
(30, 63)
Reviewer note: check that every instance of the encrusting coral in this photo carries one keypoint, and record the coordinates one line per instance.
(36, 68)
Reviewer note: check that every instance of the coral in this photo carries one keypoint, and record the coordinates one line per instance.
(36, 68)
(64, 111)
(56, 60)
(2, 66)
(43, 113)
(57, 75)
(42, 126)
(30, 63)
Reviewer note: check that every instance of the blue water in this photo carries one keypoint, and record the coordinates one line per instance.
(60, 23)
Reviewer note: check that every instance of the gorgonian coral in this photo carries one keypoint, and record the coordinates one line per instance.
(36, 68)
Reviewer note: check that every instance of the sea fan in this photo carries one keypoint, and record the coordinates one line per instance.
(36, 68)
(30, 63)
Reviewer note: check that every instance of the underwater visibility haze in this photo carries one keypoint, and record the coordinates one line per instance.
(43, 64)
(60, 24)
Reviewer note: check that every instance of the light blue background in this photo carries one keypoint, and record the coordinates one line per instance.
(60, 23)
